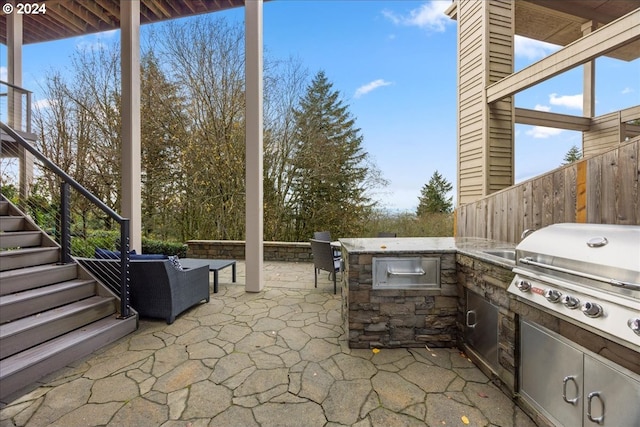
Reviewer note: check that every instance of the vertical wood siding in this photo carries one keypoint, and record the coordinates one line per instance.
(600, 189)
(485, 133)
(471, 65)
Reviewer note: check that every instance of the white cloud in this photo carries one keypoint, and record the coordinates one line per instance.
(88, 46)
(43, 103)
(539, 107)
(541, 132)
(3, 74)
(429, 16)
(95, 41)
(532, 49)
(569, 101)
(363, 90)
(626, 90)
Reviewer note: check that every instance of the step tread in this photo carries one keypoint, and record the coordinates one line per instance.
(20, 239)
(19, 232)
(25, 251)
(42, 291)
(40, 319)
(36, 269)
(42, 354)
(32, 277)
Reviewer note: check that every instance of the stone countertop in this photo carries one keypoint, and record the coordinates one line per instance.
(471, 246)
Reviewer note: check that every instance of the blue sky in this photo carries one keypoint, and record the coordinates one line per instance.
(394, 63)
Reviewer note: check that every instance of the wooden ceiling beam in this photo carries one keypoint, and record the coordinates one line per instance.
(100, 13)
(160, 11)
(525, 116)
(63, 14)
(82, 13)
(576, 8)
(111, 6)
(190, 5)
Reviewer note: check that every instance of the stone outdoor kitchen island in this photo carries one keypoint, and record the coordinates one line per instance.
(414, 302)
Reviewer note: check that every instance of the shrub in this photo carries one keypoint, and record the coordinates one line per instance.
(160, 247)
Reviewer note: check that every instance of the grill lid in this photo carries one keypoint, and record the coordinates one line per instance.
(604, 251)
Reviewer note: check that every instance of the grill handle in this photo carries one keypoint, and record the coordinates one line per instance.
(574, 400)
(595, 395)
(613, 282)
(420, 272)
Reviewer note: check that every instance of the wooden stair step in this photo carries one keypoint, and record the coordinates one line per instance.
(28, 257)
(29, 366)
(20, 239)
(29, 331)
(22, 304)
(11, 223)
(22, 279)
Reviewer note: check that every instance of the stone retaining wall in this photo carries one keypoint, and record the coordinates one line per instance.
(234, 249)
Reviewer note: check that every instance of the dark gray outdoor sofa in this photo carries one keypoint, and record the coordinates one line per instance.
(157, 288)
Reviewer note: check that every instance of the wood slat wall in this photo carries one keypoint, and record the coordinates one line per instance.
(600, 189)
(485, 132)
(471, 128)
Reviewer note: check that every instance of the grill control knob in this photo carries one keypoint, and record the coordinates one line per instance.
(552, 295)
(634, 324)
(591, 309)
(524, 285)
(570, 302)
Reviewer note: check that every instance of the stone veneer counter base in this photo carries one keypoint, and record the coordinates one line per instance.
(401, 317)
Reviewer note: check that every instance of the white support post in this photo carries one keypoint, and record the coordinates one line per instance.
(131, 157)
(14, 101)
(254, 143)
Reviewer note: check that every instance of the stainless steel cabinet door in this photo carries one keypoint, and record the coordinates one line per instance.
(481, 327)
(612, 397)
(551, 375)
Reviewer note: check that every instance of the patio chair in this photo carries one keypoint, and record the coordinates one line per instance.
(325, 236)
(322, 235)
(324, 259)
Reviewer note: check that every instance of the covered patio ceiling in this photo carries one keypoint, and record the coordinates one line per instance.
(71, 18)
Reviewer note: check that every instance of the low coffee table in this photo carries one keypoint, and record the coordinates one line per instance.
(215, 265)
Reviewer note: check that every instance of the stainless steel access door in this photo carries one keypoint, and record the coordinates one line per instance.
(481, 328)
(612, 397)
(551, 375)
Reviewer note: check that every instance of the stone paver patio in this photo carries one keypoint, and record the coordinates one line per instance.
(275, 358)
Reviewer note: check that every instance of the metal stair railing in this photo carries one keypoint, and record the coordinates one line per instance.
(65, 227)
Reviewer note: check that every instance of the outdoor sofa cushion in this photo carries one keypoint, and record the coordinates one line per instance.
(107, 254)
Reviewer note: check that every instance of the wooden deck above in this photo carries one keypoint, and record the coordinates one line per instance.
(563, 22)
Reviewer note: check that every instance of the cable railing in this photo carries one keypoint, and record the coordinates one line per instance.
(47, 194)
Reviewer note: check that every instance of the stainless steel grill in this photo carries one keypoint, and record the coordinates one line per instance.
(588, 274)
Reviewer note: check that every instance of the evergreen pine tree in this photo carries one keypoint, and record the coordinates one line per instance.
(331, 170)
(433, 196)
(572, 155)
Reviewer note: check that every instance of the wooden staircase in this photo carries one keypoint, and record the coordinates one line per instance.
(50, 314)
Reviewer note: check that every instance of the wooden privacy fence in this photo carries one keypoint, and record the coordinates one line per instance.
(601, 189)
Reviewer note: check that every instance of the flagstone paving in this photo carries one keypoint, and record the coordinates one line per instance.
(274, 358)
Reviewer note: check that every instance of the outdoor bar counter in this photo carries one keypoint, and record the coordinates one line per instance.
(411, 298)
